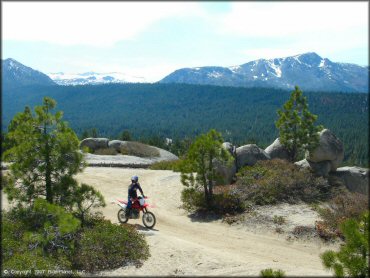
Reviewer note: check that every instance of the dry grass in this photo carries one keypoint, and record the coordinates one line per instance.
(275, 181)
(106, 151)
(139, 149)
(339, 209)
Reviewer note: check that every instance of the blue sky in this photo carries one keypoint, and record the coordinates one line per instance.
(153, 39)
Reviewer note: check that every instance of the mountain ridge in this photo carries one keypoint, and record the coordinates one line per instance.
(15, 74)
(307, 70)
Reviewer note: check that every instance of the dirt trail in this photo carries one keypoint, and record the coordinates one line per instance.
(180, 246)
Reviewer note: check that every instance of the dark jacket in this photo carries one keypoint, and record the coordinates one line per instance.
(132, 190)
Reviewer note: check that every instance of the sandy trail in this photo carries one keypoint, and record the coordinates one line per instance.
(180, 246)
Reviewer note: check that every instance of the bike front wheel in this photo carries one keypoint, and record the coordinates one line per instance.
(149, 219)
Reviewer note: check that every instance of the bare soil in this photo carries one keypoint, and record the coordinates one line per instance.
(182, 245)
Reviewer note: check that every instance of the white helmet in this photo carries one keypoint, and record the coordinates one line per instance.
(135, 178)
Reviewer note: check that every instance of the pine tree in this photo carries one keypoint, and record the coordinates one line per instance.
(296, 125)
(352, 259)
(44, 156)
(200, 160)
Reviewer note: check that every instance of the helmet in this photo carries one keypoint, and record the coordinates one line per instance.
(135, 178)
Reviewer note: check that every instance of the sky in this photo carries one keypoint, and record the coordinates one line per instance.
(152, 39)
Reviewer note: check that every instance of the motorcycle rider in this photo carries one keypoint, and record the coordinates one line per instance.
(132, 194)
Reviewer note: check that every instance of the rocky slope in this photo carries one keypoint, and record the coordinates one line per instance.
(308, 70)
(15, 74)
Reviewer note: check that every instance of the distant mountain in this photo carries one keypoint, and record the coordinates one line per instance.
(309, 71)
(94, 78)
(15, 74)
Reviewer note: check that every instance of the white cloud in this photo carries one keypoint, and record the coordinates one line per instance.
(269, 19)
(93, 23)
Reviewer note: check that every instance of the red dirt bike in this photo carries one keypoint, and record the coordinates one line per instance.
(139, 204)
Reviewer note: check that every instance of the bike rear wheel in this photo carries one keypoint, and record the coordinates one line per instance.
(149, 219)
(122, 218)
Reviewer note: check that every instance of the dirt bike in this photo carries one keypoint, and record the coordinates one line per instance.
(139, 204)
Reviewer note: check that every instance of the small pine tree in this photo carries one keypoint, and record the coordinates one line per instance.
(45, 156)
(200, 160)
(94, 133)
(125, 136)
(353, 257)
(296, 125)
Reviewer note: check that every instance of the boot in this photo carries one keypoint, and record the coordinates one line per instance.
(128, 212)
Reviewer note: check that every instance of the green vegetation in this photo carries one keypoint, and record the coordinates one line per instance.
(107, 246)
(201, 160)
(174, 165)
(46, 236)
(52, 223)
(296, 125)
(106, 151)
(180, 111)
(45, 156)
(274, 181)
(269, 272)
(279, 220)
(125, 136)
(352, 259)
(343, 206)
(139, 149)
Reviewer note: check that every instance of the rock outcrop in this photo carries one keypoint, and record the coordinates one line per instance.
(356, 179)
(330, 149)
(117, 145)
(94, 143)
(229, 147)
(320, 168)
(249, 155)
(226, 172)
(277, 150)
(134, 154)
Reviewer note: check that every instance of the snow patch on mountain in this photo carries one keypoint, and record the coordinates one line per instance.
(94, 78)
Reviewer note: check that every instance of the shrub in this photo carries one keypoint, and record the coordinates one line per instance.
(193, 199)
(226, 201)
(279, 220)
(86, 149)
(105, 151)
(274, 181)
(269, 272)
(23, 249)
(107, 246)
(173, 165)
(139, 149)
(35, 260)
(352, 259)
(340, 208)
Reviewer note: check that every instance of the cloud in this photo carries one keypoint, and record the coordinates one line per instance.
(269, 19)
(94, 23)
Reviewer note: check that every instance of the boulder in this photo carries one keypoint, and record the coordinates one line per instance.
(302, 163)
(116, 144)
(356, 179)
(320, 168)
(330, 149)
(249, 155)
(94, 143)
(229, 147)
(277, 150)
(225, 172)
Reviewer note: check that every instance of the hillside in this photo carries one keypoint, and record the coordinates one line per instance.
(15, 74)
(308, 70)
(178, 110)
